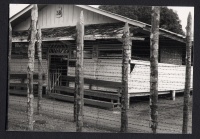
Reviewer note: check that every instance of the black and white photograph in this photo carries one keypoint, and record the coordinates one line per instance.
(100, 68)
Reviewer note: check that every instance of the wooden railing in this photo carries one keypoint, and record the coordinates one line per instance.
(21, 88)
(91, 97)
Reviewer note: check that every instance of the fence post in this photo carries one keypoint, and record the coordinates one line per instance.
(9, 68)
(126, 54)
(173, 95)
(39, 49)
(79, 79)
(9, 55)
(187, 74)
(30, 67)
(154, 46)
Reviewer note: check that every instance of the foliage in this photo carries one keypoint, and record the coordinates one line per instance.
(168, 18)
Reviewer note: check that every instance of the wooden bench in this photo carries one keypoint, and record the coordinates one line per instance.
(91, 97)
(24, 76)
(21, 88)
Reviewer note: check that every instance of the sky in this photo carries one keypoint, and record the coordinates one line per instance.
(181, 11)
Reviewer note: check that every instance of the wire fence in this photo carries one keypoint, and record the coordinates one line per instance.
(57, 115)
(108, 84)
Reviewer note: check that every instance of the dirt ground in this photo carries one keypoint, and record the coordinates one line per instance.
(58, 116)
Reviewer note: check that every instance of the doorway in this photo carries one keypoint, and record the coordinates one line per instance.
(58, 68)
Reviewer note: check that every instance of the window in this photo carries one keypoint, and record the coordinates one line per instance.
(19, 50)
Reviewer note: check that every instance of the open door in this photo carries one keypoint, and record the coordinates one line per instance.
(58, 67)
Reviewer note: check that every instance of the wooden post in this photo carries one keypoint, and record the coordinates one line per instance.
(30, 67)
(126, 54)
(39, 49)
(173, 94)
(155, 20)
(187, 74)
(9, 69)
(9, 56)
(79, 79)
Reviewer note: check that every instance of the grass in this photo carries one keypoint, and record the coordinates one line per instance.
(58, 116)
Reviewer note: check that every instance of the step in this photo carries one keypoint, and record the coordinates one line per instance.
(86, 100)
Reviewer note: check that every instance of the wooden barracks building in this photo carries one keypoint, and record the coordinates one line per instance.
(102, 54)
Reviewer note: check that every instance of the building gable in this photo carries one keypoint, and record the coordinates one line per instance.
(64, 15)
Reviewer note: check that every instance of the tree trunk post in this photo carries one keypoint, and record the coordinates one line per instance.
(126, 54)
(173, 95)
(79, 79)
(39, 49)
(9, 69)
(154, 46)
(9, 55)
(187, 74)
(30, 67)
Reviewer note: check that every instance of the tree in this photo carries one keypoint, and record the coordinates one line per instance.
(169, 19)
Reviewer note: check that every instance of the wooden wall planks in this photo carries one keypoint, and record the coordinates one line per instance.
(102, 69)
(170, 77)
(19, 66)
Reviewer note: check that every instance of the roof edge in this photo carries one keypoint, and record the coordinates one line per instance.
(105, 13)
(24, 10)
(113, 15)
(130, 21)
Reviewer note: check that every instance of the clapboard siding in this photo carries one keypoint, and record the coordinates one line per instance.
(47, 17)
(102, 69)
(19, 66)
(170, 77)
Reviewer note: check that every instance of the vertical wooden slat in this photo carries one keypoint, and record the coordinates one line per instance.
(53, 74)
(79, 79)
(126, 51)
(59, 76)
(155, 20)
(30, 67)
(187, 74)
(48, 73)
(56, 73)
(39, 49)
